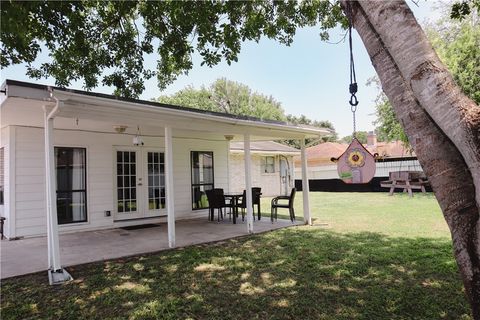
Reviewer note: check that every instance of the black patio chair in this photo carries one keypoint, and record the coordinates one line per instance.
(288, 205)
(256, 194)
(216, 200)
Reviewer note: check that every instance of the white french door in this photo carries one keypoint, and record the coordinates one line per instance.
(139, 183)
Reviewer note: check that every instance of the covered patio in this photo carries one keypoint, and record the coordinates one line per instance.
(28, 255)
(108, 162)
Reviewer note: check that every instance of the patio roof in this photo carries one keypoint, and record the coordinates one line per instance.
(131, 112)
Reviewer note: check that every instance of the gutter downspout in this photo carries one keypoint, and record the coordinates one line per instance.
(56, 274)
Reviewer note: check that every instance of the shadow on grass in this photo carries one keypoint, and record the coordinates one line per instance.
(294, 273)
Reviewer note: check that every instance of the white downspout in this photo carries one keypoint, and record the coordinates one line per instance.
(52, 224)
(56, 273)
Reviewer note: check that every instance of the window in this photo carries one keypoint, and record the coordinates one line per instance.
(70, 164)
(268, 165)
(202, 177)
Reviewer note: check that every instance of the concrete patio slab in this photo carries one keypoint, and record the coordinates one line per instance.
(30, 255)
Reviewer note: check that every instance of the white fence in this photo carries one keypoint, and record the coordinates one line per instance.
(382, 170)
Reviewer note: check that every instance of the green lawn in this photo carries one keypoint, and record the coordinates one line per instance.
(369, 256)
(397, 215)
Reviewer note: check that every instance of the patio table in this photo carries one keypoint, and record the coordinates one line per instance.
(234, 203)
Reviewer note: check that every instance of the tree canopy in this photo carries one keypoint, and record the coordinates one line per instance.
(236, 98)
(303, 120)
(107, 41)
(360, 135)
(230, 97)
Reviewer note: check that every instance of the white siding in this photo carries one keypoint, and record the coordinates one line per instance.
(30, 217)
(269, 182)
(182, 174)
(30, 175)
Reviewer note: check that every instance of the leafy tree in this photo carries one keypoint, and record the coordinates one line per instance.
(230, 97)
(303, 120)
(192, 98)
(361, 136)
(108, 40)
(461, 9)
(388, 128)
(457, 43)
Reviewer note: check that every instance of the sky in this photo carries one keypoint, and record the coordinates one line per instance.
(309, 77)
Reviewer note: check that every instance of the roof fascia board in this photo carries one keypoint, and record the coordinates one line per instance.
(65, 95)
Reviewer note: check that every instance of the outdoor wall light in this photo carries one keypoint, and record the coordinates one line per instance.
(120, 128)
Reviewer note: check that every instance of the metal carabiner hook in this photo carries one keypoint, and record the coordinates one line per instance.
(353, 100)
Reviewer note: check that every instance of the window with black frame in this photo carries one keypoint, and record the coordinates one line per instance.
(202, 177)
(70, 164)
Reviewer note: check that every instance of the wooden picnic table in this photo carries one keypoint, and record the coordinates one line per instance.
(406, 180)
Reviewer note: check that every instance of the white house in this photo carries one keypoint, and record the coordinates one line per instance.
(106, 162)
(272, 167)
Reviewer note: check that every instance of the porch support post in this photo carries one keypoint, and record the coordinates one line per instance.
(248, 181)
(305, 186)
(51, 197)
(56, 274)
(169, 192)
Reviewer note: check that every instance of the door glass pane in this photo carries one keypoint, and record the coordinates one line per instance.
(202, 177)
(70, 164)
(126, 181)
(155, 165)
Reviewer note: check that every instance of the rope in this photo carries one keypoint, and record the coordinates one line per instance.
(353, 87)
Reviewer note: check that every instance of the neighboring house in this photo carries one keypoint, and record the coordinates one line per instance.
(394, 157)
(107, 162)
(272, 167)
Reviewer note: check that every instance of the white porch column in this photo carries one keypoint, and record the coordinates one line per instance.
(229, 185)
(248, 181)
(51, 197)
(169, 192)
(305, 186)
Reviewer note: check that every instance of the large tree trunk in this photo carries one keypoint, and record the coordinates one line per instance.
(442, 162)
(457, 115)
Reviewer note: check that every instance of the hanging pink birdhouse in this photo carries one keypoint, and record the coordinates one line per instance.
(356, 164)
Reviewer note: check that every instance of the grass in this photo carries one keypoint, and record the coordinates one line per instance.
(397, 215)
(351, 270)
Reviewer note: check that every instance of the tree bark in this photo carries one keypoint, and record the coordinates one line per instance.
(442, 162)
(457, 115)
